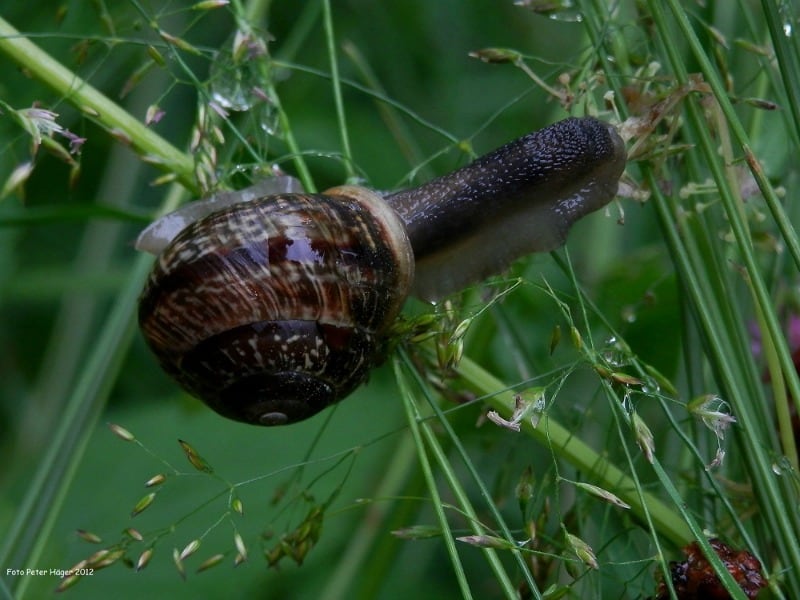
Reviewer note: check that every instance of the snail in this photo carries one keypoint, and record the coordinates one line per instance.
(270, 304)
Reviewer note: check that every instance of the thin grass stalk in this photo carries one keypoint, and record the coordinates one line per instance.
(371, 579)
(593, 24)
(787, 53)
(36, 515)
(709, 314)
(714, 483)
(660, 518)
(413, 419)
(254, 11)
(357, 562)
(768, 84)
(655, 535)
(772, 494)
(725, 576)
(389, 114)
(96, 106)
(402, 109)
(461, 496)
(694, 456)
(466, 507)
(731, 201)
(568, 447)
(337, 88)
(621, 415)
(712, 280)
(703, 307)
(44, 497)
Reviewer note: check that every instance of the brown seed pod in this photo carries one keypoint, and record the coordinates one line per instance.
(695, 579)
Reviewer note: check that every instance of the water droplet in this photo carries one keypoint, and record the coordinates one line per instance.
(229, 85)
(627, 403)
(240, 76)
(558, 10)
(615, 353)
(650, 387)
(629, 314)
(786, 11)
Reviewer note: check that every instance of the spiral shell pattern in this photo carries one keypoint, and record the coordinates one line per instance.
(273, 309)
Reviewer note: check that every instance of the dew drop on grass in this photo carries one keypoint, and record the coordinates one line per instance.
(650, 387)
(614, 353)
(786, 11)
(240, 79)
(232, 84)
(558, 10)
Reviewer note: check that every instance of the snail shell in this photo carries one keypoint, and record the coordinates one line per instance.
(273, 309)
(271, 305)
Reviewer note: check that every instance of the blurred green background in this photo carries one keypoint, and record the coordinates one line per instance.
(59, 278)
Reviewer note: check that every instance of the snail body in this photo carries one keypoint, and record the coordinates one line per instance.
(270, 304)
(518, 199)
